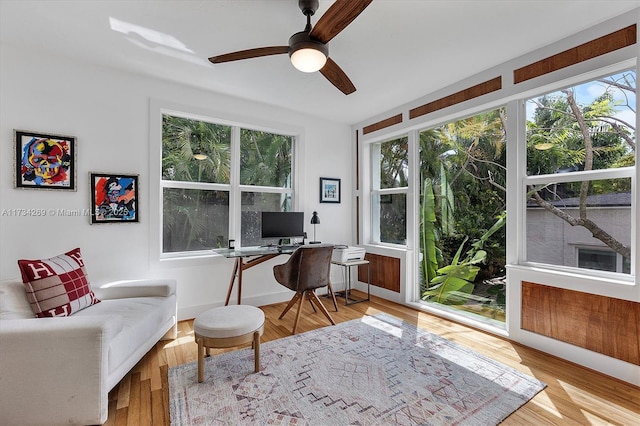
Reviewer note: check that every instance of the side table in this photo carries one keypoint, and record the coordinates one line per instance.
(346, 293)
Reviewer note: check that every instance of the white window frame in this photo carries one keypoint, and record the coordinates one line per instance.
(157, 110)
(376, 192)
(578, 176)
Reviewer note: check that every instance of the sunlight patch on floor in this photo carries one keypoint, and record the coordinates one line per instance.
(373, 311)
(594, 418)
(179, 341)
(590, 399)
(385, 326)
(543, 401)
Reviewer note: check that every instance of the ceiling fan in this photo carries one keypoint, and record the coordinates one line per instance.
(308, 49)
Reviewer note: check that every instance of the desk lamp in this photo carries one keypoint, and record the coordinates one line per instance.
(315, 220)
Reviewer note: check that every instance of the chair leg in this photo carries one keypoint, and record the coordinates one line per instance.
(321, 306)
(311, 303)
(292, 302)
(295, 324)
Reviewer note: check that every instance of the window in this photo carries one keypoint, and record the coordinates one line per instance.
(603, 260)
(561, 164)
(199, 183)
(265, 179)
(389, 191)
(196, 165)
(580, 164)
(462, 215)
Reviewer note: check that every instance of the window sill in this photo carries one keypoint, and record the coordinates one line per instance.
(626, 289)
(188, 259)
(575, 273)
(389, 247)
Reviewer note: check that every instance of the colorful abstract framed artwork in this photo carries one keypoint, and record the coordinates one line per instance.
(114, 198)
(44, 161)
(329, 190)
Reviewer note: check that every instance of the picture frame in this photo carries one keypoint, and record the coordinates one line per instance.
(329, 190)
(44, 161)
(114, 197)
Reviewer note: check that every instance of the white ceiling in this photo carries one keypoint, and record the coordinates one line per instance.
(394, 52)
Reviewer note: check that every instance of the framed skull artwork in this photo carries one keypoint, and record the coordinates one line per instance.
(44, 161)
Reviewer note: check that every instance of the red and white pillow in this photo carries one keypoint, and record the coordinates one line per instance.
(57, 287)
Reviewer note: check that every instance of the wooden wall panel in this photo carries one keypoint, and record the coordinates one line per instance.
(382, 124)
(357, 161)
(357, 187)
(385, 271)
(600, 46)
(601, 324)
(458, 97)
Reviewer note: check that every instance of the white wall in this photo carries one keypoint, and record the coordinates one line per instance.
(108, 112)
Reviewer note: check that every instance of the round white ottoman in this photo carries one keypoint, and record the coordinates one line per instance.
(228, 326)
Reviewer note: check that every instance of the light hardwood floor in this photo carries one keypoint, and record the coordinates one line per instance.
(574, 395)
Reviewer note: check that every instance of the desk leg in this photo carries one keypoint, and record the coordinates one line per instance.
(237, 263)
(347, 284)
(240, 268)
(368, 281)
(347, 276)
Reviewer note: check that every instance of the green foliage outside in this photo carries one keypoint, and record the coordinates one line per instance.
(462, 240)
(199, 153)
(454, 282)
(571, 131)
(463, 175)
(184, 141)
(393, 168)
(265, 159)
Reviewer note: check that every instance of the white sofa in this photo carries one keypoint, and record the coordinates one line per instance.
(60, 370)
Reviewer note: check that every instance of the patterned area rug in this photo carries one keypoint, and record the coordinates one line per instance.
(376, 370)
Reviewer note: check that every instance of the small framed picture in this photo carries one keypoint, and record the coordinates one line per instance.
(114, 198)
(44, 161)
(329, 190)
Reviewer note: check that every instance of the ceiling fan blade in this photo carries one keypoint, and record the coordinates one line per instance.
(337, 17)
(337, 77)
(249, 53)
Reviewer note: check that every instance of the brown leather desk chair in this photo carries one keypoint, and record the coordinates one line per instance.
(307, 269)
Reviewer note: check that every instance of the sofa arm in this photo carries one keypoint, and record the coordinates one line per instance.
(161, 287)
(54, 370)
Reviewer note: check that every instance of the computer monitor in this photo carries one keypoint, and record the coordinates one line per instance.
(282, 224)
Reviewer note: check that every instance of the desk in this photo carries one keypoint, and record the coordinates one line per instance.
(347, 280)
(259, 254)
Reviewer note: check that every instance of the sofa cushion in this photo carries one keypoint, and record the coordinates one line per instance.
(141, 317)
(57, 286)
(13, 301)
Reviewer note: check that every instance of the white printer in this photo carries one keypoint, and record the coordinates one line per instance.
(344, 254)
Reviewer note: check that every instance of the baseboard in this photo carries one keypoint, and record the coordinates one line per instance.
(190, 312)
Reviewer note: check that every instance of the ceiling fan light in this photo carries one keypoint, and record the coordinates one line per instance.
(307, 54)
(308, 59)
